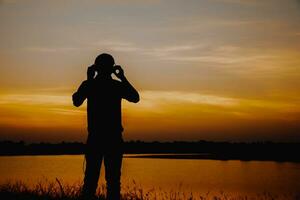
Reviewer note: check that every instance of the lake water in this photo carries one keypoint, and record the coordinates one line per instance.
(245, 177)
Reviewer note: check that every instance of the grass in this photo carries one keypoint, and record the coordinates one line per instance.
(46, 190)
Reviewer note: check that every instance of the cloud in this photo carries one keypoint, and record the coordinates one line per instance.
(219, 59)
(235, 22)
(124, 48)
(164, 50)
(157, 96)
(243, 2)
(223, 54)
(237, 59)
(52, 49)
(34, 99)
(187, 98)
(157, 111)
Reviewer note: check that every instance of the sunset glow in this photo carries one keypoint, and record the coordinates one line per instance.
(213, 70)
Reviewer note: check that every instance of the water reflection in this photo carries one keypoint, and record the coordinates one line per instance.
(189, 174)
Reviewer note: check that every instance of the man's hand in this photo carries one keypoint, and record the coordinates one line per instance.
(91, 71)
(119, 72)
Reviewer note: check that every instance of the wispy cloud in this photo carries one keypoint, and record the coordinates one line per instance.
(155, 96)
(187, 98)
(47, 49)
(222, 54)
(164, 52)
(219, 59)
(234, 22)
(195, 103)
(125, 47)
(156, 111)
(160, 51)
(34, 99)
(243, 2)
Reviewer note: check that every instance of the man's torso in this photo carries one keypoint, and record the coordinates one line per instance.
(104, 108)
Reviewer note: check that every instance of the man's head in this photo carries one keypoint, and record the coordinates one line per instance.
(104, 64)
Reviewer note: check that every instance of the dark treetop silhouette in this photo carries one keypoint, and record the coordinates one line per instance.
(104, 141)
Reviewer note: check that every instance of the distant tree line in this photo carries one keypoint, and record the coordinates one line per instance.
(202, 149)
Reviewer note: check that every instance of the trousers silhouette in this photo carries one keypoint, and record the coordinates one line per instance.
(111, 153)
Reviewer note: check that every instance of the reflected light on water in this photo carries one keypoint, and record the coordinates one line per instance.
(190, 175)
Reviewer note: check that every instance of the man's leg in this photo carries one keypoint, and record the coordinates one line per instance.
(113, 163)
(91, 176)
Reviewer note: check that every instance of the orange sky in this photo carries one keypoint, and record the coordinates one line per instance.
(214, 70)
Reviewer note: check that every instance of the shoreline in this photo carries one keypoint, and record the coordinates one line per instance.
(180, 156)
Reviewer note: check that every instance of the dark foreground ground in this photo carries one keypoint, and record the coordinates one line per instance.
(281, 152)
(58, 191)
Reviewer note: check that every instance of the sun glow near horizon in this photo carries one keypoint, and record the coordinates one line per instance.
(170, 113)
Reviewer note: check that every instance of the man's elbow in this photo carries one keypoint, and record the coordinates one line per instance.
(76, 102)
(136, 99)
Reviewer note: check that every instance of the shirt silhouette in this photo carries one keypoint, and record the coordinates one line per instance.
(104, 96)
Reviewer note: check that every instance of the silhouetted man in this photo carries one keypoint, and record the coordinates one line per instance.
(104, 141)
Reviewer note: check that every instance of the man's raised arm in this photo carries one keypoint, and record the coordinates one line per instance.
(80, 95)
(128, 91)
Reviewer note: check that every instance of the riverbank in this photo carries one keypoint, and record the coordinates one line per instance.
(261, 151)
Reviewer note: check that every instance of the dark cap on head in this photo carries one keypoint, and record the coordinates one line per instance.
(105, 59)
